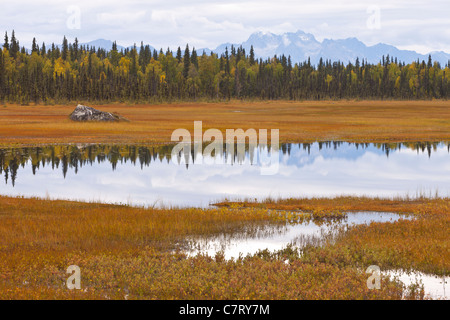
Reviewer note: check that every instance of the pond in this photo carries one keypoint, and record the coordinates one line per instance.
(152, 176)
(155, 176)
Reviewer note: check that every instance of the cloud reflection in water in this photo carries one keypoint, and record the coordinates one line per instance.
(308, 170)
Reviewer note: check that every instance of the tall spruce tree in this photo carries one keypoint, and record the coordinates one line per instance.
(179, 56)
(43, 50)
(6, 43)
(252, 55)
(34, 47)
(186, 62)
(75, 49)
(65, 49)
(14, 46)
(194, 58)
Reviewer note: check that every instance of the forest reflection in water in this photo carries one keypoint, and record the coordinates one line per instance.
(144, 174)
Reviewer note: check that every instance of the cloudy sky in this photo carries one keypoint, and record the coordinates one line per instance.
(419, 25)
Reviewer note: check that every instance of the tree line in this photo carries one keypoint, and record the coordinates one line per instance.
(74, 72)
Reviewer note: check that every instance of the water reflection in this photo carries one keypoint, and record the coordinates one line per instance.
(279, 236)
(435, 287)
(148, 175)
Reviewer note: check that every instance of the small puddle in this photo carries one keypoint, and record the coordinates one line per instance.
(435, 287)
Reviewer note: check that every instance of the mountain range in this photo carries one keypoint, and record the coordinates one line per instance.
(300, 46)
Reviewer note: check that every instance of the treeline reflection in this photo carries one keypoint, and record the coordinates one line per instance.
(75, 157)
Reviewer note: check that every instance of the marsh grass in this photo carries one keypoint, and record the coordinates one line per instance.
(96, 226)
(339, 205)
(134, 253)
(421, 244)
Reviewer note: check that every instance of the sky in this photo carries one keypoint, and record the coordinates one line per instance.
(423, 26)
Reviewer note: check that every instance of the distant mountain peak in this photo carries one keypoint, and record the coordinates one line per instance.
(264, 34)
(107, 44)
(301, 46)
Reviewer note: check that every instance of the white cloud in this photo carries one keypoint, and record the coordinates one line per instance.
(165, 17)
(414, 24)
(120, 17)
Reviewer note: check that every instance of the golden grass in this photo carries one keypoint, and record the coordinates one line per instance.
(126, 252)
(353, 121)
(150, 275)
(341, 203)
(61, 226)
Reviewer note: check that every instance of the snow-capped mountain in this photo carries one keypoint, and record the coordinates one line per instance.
(301, 46)
(298, 45)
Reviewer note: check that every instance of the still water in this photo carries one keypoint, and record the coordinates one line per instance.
(274, 238)
(152, 176)
(278, 237)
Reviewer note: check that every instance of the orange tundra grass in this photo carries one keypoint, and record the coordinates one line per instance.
(126, 252)
(352, 121)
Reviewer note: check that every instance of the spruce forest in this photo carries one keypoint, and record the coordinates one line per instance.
(73, 72)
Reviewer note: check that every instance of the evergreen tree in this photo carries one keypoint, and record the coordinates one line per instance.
(179, 57)
(75, 50)
(252, 55)
(14, 46)
(227, 61)
(142, 58)
(186, 62)
(134, 64)
(1, 79)
(65, 49)
(43, 50)
(34, 47)
(194, 59)
(6, 43)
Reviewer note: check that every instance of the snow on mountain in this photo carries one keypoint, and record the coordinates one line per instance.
(301, 46)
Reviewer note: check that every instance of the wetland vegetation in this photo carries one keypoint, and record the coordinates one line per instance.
(137, 252)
